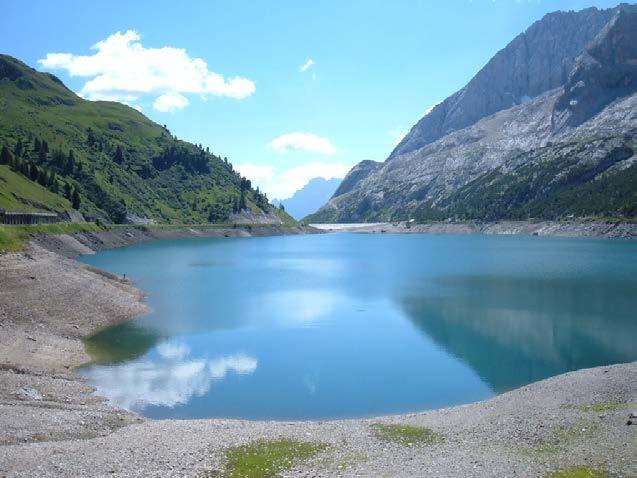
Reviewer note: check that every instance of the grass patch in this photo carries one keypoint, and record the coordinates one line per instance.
(577, 472)
(600, 407)
(562, 437)
(15, 238)
(267, 458)
(406, 435)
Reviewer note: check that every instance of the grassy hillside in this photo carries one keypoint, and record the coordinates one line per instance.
(119, 162)
(18, 193)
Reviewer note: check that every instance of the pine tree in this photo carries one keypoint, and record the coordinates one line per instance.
(23, 168)
(119, 155)
(19, 148)
(42, 153)
(58, 159)
(69, 165)
(33, 172)
(75, 199)
(67, 191)
(42, 177)
(90, 137)
(36, 145)
(5, 156)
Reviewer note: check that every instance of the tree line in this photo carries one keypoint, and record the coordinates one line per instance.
(62, 172)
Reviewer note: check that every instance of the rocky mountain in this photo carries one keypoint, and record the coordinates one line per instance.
(108, 161)
(545, 130)
(310, 197)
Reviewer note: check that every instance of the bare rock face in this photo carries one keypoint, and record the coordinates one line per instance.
(358, 173)
(536, 61)
(569, 79)
(604, 71)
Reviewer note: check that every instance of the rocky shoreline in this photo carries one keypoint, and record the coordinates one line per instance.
(51, 424)
(541, 228)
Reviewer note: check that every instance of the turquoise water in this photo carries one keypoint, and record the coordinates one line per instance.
(351, 325)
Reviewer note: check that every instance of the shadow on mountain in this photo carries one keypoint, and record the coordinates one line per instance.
(513, 331)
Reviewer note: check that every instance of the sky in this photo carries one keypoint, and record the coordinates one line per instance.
(286, 90)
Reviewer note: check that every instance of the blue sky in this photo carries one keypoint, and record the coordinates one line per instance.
(229, 74)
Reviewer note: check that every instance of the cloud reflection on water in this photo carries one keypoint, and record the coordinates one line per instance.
(168, 380)
(298, 306)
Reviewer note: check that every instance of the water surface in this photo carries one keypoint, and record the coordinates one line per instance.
(351, 325)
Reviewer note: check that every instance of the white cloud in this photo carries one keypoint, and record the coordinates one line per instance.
(132, 105)
(284, 183)
(396, 135)
(170, 102)
(122, 69)
(256, 173)
(305, 66)
(306, 142)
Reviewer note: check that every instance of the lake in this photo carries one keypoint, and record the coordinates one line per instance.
(355, 325)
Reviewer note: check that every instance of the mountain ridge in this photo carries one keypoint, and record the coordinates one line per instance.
(599, 102)
(526, 67)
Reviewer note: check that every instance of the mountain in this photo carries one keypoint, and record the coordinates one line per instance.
(545, 130)
(108, 160)
(310, 197)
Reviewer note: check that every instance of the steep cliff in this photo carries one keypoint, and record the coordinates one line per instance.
(534, 62)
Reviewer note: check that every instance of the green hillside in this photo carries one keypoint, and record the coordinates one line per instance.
(18, 193)
(106, 158)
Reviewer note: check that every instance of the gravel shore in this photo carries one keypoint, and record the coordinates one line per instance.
(51, 424)
(540, 228)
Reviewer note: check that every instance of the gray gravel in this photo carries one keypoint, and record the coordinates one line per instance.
(520, 433)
